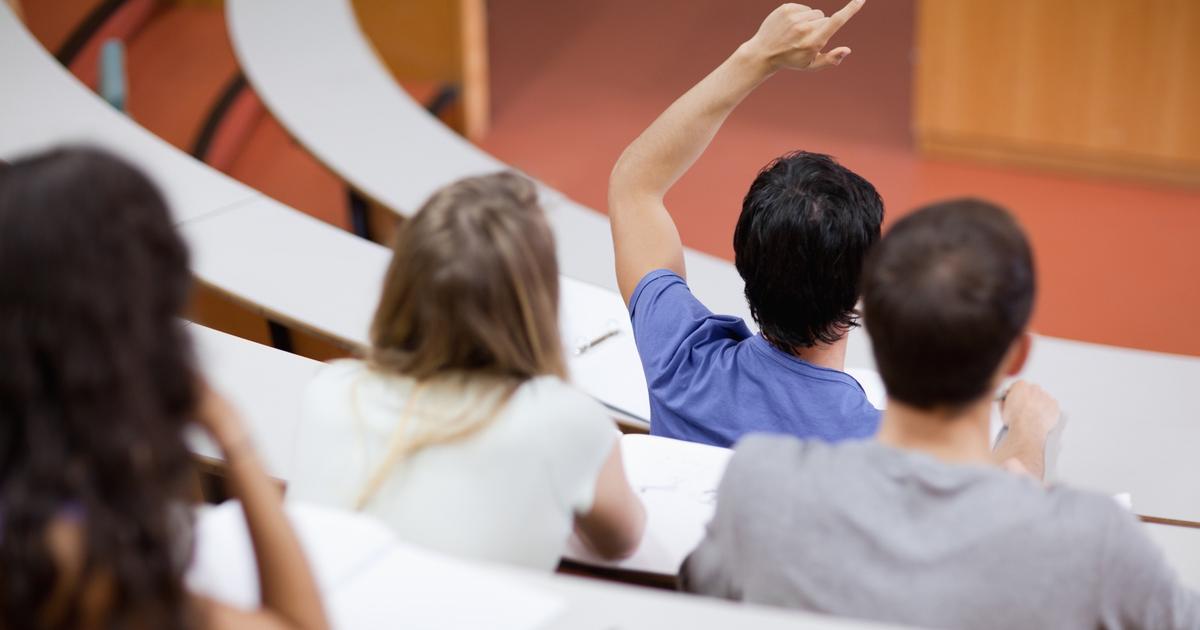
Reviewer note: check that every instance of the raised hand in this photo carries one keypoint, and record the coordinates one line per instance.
(794, 36)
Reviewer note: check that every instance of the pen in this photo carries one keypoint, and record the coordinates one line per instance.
(584, 347)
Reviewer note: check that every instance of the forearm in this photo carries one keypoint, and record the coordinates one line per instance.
(286, 583)
(669, 147)
(617, 521)
(644, 235)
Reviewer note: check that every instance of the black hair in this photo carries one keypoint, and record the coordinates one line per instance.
(807, 223)
(945, 295)
(96, 387)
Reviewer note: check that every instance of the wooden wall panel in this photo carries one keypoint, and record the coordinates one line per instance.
(435, 41)
(1093, 85)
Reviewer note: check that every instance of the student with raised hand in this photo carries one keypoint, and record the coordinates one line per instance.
(805, 228)
(97, 387)
(922, 526)
(459, 430)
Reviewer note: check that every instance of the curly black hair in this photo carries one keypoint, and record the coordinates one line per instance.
(806, 226)
(97, 383)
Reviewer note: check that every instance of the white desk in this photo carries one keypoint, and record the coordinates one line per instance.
(1133, 422)
(43, 105)
(292, 267)
(371, 581)
(264, 384)
(593, 605)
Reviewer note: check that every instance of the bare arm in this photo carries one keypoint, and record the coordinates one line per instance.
(644, 235)
(1030, 415)
(290, 598)
(614, 526)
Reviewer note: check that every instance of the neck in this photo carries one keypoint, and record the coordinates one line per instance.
(826, 355)
(960, 437)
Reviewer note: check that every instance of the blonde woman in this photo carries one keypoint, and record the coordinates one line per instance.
(459, 429)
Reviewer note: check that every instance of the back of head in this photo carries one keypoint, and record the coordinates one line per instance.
(96, 387)
(473, 286)
(945, 295)
(807, 224)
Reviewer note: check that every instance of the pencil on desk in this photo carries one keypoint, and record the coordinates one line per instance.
(584, 347)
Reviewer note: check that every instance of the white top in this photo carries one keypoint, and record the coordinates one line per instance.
(508, 492)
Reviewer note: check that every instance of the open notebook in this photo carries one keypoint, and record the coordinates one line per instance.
(369, 580)
(602, 356)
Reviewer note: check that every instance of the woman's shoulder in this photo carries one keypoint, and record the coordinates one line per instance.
(346, 384)
(551, 394)
(338, 377)
(340, 371)
(560, 413)
(572, 431)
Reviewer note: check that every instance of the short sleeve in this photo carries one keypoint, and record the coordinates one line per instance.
(676, 334)
(577, 438)
(1139, 588)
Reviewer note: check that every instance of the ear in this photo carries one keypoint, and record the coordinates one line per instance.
(1018, 354)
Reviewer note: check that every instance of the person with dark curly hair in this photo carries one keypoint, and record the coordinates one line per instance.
(97, 385)
(807, 223)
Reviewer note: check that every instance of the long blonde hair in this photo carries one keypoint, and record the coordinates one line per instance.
(471, 294)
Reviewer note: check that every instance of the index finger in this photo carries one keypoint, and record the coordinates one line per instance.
(839, 19)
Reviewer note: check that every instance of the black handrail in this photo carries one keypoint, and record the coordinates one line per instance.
(212, 122)
(445, 97)
(86, 30)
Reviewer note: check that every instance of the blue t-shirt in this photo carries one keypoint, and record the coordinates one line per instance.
(712, 381)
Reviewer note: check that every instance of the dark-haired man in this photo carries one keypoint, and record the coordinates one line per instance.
(806, 225)
(920, 527)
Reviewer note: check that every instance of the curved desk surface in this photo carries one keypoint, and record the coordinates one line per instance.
(44, 105)
(278, 262)
(1134, 423)
(372, 581)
